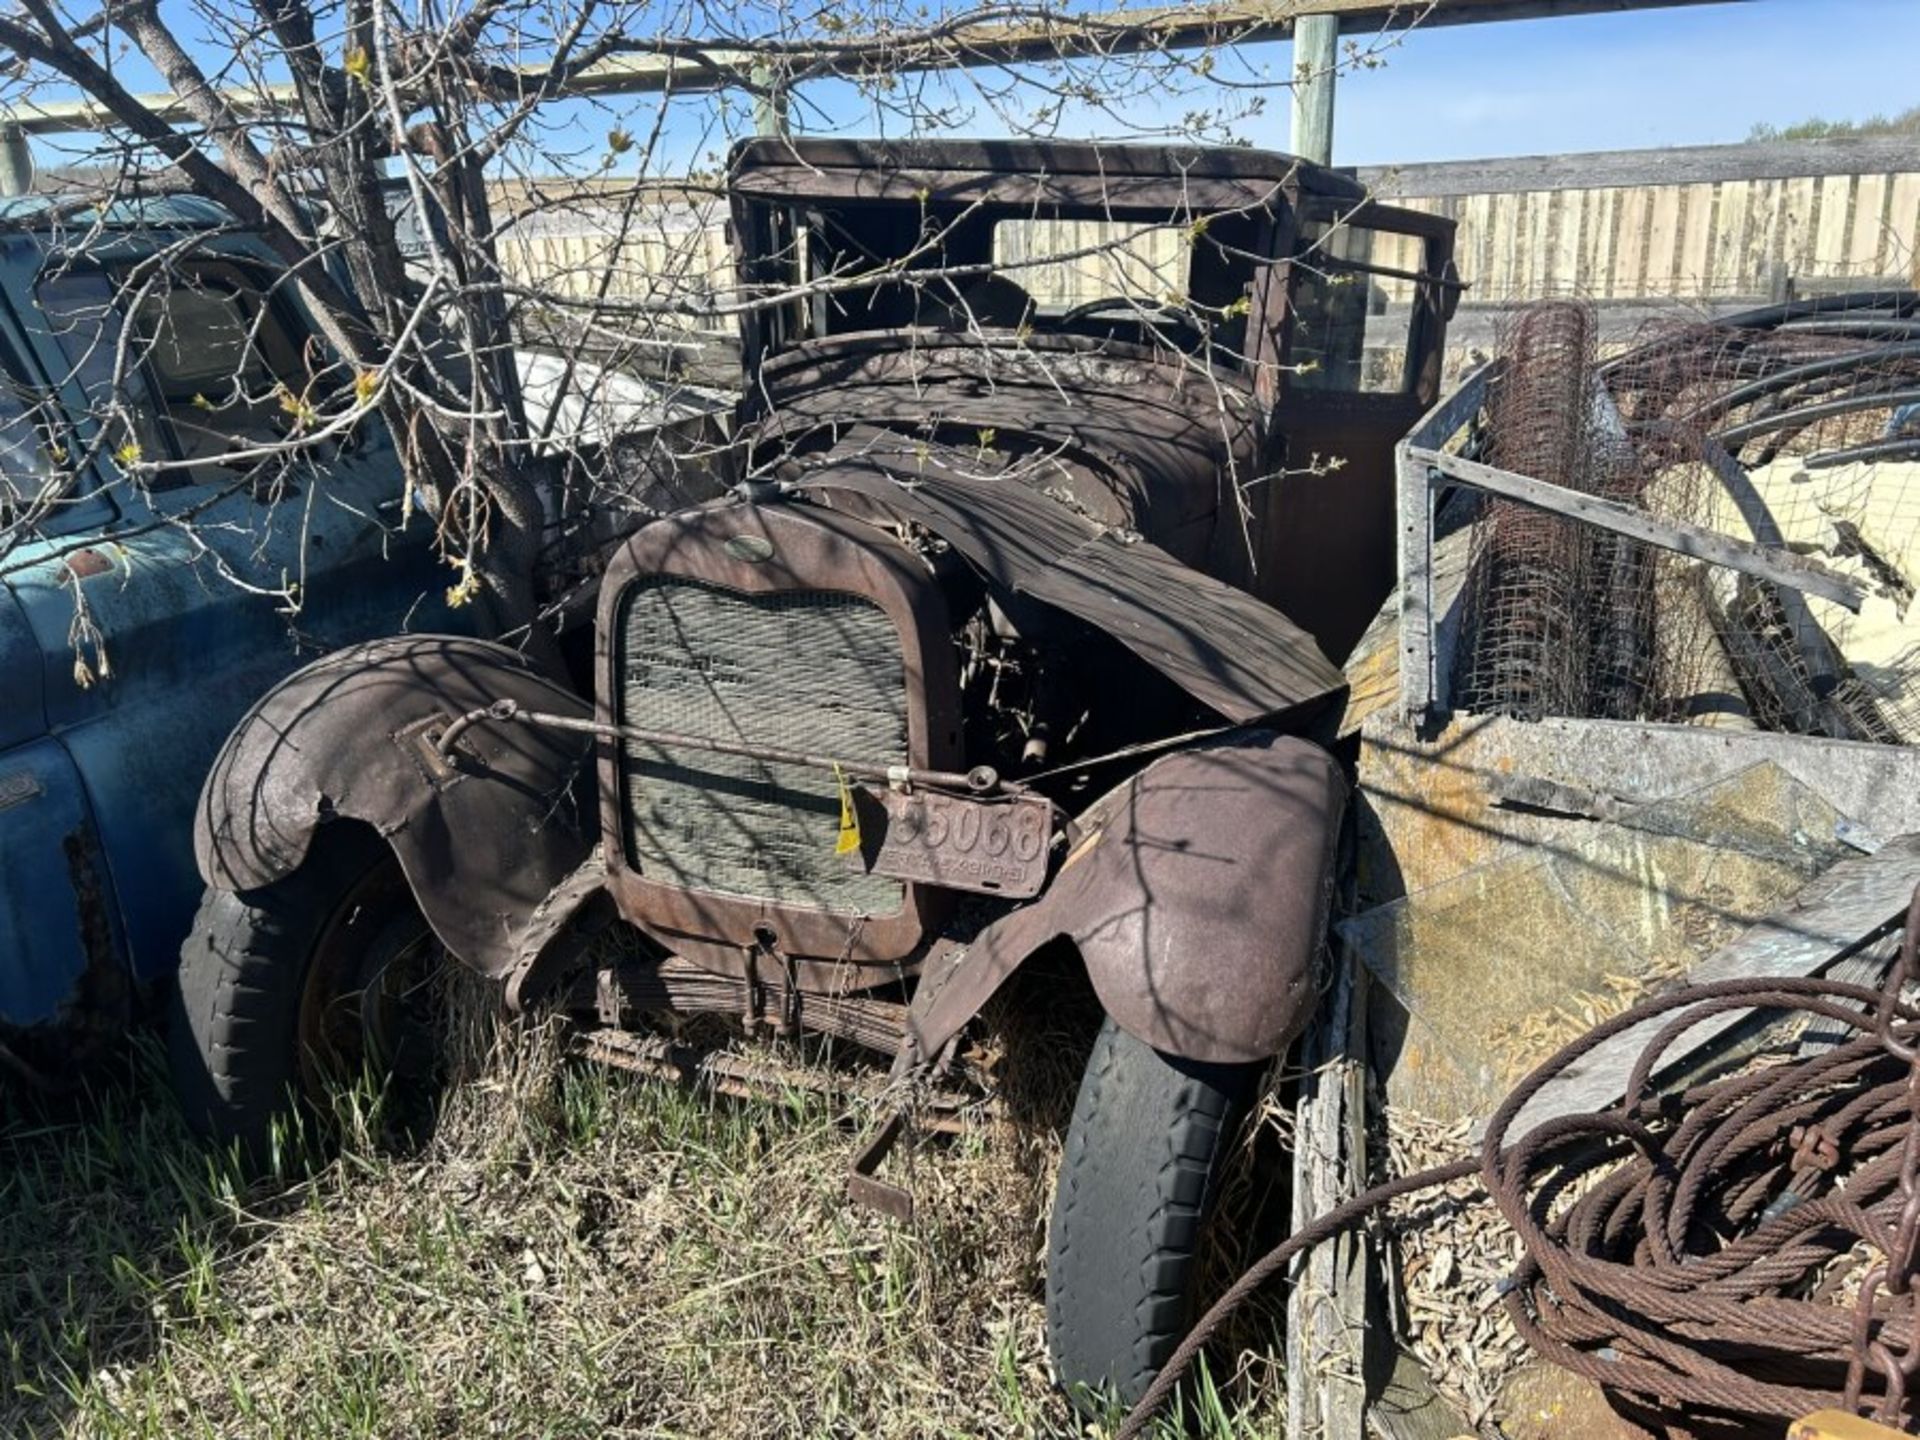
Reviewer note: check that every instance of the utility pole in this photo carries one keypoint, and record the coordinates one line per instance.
(16, 160)
(1316, 55)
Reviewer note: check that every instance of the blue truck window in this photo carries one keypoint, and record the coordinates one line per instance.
(79, 309)
(30, 484)
(223, 365)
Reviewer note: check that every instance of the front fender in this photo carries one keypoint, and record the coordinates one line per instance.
(482, 842)
(1197, 898)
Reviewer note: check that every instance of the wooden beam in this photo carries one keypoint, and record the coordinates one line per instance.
(16, 161)
(1122, 30)
(1681, 165)
(1327, 1306)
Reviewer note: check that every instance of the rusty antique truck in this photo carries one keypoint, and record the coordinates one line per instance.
(1061, 480)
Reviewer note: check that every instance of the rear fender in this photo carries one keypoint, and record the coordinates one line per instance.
(482, 841)
(1197, 897)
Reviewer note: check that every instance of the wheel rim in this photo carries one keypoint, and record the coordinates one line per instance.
(365, 1008)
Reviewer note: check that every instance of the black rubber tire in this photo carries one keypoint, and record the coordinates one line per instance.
(1137, 1182)
(234, 1034)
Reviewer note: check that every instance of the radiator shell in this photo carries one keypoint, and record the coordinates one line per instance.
(833, 641)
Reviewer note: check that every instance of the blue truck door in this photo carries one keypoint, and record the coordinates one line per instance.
(179, 589)
(61, 968)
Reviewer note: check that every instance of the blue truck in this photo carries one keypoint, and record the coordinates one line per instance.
(137, 622)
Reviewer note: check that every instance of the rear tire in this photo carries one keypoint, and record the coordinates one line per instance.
(1137, 1182)
(304, 983)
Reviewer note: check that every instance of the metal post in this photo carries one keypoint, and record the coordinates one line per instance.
(1316, 54)
(16, 160)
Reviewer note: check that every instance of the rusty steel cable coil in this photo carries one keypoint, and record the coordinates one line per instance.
(1720, 1260)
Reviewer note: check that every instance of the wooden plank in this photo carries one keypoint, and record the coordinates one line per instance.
(1680, 165)
(1867, 250)
(1327, 1303)
(1415, 497)
(1764, 233)
(1539, 272)
(1570, 213)
(1409, 1408)
(1605, 205)
(1832, 918)
(1828, 255)
(1626, 270)
(1504, 245)
(1730, 237)
(1794, 248)
(1903, 223)
(1663, 240)
(1694, 541)
(1693, 267)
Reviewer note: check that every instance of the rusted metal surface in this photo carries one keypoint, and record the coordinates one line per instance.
(1197, 897)
(1150, 444)
(52, 1050)
(482, 840)
(957, 842)
(1026, 172)
(1240, 657)
(797, 551)
(753, 1078)
(1615, 909)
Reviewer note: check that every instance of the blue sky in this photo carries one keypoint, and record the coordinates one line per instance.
(1695, 75)
(1691, 76)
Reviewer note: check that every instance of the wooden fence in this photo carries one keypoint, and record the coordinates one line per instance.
(1698, 224)
(1702, 223)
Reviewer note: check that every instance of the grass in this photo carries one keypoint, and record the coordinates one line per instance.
(574, 1253)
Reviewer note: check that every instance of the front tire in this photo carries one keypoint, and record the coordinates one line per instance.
(1137, 1182)
(317, 979)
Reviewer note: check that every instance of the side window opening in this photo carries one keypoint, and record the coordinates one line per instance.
(211, 368)
(1355, 294)
(30, 482)
(80, 313)
(225, 368)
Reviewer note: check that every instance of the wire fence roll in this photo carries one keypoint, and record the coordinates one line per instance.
(1720, 1257)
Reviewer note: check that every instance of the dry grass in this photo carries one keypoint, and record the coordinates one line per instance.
(574, 1253)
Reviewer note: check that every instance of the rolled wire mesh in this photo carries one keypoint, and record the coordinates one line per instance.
(1530, 570)
(1783, 430)
(1749, 430)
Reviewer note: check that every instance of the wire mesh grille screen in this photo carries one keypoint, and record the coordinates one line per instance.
(798, 670)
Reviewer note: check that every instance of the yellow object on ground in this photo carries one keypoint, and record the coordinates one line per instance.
(1838, 1425)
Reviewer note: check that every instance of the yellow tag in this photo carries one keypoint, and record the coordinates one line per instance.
(849, 840)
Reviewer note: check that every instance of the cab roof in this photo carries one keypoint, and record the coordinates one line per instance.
(1044, 172)
(159, 212)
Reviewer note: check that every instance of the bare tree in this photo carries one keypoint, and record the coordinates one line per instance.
(402, 161)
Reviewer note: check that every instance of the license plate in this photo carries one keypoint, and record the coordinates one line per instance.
(992, 847)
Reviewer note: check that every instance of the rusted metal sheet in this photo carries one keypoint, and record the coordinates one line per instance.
(1431, 808)
(1147, 442)
(483, 839)
(1240, 657)
(989, 848)
(1197, 896)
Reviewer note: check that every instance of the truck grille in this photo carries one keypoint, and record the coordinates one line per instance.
(805, 670)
